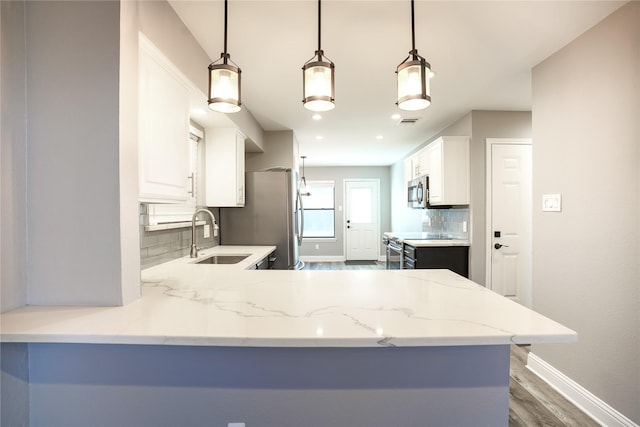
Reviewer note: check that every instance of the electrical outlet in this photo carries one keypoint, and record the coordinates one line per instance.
(464, 226)
(207, 231)
(317, 246)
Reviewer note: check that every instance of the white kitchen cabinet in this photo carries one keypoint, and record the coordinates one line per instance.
(416, 165)
(224, 167)
(421, 163)
(408, 169)
(448, 169)
(163, 114)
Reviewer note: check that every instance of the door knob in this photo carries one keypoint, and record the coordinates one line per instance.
(498, 246)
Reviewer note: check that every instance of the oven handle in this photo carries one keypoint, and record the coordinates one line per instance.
(395, 247)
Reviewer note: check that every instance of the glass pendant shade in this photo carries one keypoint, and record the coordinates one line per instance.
(414, 92)
(318, 83)
(224, 88)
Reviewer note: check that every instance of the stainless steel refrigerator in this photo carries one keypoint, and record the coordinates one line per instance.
(272, 215)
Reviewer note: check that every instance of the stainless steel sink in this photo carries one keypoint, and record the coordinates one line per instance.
(223, 259)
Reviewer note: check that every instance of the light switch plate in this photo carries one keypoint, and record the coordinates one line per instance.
(551, 202)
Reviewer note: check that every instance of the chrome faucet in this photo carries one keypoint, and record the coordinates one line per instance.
(194, 248)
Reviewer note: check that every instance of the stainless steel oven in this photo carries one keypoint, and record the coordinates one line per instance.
(394, 253)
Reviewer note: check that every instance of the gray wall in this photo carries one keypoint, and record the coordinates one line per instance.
(586, 259)
(76, 228)
(335, 248)
(280, 148)
(13, 252)
(479, 125)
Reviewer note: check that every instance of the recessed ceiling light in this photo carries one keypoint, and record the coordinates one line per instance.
(316, 116)
(319, 137)
(379, 137)
(396, 116)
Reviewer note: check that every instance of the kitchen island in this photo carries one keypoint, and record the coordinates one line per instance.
(210, 345)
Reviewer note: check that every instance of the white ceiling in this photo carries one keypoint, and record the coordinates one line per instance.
(481, 51)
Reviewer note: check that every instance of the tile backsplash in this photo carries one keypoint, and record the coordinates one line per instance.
(453, 222)
(161, 246)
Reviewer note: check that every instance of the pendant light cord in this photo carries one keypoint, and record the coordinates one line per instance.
(225, 31)
(319, 26)
(413, 32)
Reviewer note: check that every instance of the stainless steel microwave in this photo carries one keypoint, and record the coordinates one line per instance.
(418, 192)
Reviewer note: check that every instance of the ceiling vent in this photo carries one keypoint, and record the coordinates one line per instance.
(408, 121)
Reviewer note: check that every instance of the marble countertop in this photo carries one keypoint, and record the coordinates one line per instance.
(426, 239)
(188, 304)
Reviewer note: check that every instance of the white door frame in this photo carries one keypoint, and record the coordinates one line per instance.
(344, 203)
(489, 195)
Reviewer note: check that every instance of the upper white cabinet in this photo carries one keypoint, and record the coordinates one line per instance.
(416, 165)
(448, 170)
(224, 167)
(420, 163)
(163, 150)
(408, 169)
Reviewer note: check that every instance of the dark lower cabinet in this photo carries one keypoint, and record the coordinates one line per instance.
(265, 263)
(454, 258)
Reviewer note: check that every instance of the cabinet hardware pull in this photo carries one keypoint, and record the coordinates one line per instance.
(192, 184)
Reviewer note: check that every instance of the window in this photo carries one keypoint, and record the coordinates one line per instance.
(319, 210)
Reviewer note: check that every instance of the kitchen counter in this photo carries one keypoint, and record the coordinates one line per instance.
(214, 344)
(418, 239)
(184, 303)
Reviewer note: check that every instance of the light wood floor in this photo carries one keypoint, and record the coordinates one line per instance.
(532, 402)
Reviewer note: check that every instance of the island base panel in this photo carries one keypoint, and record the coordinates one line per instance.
(106, 385)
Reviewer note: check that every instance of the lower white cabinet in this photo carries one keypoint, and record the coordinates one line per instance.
(224, 167)
(448, 170)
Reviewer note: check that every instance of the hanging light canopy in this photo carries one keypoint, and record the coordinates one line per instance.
(318, 79)
(224, 80)
(414, 92)
(305, 189)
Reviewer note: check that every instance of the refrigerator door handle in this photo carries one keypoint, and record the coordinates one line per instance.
(301, 225)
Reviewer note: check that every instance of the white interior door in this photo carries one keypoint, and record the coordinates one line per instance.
(509, 218)
(361, 220)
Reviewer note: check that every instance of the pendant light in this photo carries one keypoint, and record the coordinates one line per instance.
(414, 92)
(305, 189)
(224, 80)
(318, 79)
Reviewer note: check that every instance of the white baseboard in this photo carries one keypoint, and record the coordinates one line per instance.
(595, 407)
(322, 258)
